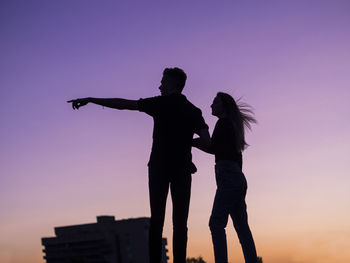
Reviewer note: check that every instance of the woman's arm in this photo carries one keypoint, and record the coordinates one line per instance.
(203, 141)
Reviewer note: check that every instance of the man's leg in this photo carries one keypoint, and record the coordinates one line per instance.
(180, 194)
(158, 191)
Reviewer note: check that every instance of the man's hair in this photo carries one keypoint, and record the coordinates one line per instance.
(176, 74)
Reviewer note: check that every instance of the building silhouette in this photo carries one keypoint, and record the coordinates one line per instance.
(107, 241)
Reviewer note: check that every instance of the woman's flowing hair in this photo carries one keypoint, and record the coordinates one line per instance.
(241, 115)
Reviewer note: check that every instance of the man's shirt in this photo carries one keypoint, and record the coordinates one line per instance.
(175, 122)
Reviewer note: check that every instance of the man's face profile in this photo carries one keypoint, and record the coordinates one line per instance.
(168, 86)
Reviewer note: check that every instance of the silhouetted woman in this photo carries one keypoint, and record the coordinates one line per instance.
(227, 144)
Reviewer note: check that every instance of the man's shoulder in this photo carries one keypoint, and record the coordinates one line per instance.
(150, 105)
(191, 105)
(174, 101)
(154, 98)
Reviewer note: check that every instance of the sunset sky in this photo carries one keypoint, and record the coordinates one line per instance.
(290, 60)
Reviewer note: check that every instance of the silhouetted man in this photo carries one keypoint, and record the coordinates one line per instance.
(176, 120)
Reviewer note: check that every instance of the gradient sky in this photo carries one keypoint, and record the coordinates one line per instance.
(290, 60)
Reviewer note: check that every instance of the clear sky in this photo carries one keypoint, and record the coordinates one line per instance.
(289, 59)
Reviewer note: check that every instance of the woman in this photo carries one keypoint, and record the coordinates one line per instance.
(227, 144)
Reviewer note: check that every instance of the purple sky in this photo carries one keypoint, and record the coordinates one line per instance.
(289, 59)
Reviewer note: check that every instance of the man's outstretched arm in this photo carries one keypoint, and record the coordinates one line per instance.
(115, 103)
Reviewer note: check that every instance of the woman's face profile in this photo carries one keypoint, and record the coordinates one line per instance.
(217, 108)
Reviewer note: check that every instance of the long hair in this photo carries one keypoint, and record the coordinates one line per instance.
(241, 116)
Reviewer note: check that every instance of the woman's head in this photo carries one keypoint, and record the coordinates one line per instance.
(241, 115)
(223, 105)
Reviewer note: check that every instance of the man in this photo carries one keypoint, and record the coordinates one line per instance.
(176, 120)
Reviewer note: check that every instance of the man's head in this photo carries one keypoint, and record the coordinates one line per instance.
(173, 81)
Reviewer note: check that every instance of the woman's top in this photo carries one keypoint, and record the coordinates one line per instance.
(223, 142)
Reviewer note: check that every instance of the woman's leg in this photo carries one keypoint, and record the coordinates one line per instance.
(217, 224)
(240, 221)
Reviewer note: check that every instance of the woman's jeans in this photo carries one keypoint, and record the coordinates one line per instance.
(230, 200)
